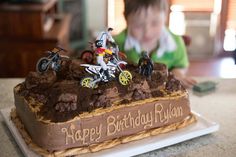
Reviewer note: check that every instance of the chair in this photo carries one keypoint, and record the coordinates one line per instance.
(187, 40)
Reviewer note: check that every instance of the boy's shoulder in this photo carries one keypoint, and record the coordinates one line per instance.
(120, 38)
(178, 40)
(175, 37)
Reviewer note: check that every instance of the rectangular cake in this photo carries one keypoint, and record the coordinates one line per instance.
(58, 117)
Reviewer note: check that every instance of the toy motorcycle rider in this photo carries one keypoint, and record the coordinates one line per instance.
(102, 52)
(145, 65)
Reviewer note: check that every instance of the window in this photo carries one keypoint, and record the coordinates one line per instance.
(196, 5)
(231, 15)
(180, 7)
(230, 32)
(115, 16)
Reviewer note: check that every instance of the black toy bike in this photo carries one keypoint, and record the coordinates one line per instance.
(53, 60)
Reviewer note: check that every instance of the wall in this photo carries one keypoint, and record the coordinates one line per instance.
(198, 27)
(96, 15)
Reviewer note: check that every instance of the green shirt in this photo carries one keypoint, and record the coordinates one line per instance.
(175, 59)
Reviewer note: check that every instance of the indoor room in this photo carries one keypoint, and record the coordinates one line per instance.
(118, 78)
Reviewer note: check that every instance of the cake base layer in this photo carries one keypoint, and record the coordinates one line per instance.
(102, 124)
(97, 147)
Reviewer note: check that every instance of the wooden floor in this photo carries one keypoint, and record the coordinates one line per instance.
(217, 67)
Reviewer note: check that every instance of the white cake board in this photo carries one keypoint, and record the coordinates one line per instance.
(202, 127)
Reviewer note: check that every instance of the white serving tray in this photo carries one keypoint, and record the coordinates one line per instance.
(202, 127)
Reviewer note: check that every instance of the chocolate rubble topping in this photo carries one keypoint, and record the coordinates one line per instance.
(64, 98)
(40, 81)
(173, 84)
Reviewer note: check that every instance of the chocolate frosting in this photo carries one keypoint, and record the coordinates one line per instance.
(43, 81)
(119, 122)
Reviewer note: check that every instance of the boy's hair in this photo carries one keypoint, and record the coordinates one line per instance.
(132, 6)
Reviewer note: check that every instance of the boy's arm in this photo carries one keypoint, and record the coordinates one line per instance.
(181, 57)
(181, 64)
(180, 74)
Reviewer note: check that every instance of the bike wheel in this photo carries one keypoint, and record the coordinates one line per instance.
(87, 57)
(86, 82)
(42, 65)
(125, 77)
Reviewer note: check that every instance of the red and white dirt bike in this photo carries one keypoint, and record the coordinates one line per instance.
(88, 56)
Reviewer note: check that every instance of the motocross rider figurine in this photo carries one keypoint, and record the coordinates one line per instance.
(100, 54)
(105, 37)
(102, 50)
(145, 65)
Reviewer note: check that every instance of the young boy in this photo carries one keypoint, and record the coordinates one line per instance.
(146, 31)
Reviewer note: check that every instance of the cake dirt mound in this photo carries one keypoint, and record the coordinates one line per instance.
(63, 97)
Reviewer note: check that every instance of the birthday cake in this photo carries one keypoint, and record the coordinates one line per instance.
(56, 116)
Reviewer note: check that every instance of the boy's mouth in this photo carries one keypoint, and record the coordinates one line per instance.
(148, 40)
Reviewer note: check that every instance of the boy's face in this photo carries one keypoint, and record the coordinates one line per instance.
(146, 25)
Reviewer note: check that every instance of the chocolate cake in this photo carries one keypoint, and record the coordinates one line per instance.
(58, 117)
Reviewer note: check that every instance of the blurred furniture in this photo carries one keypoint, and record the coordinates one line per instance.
(198, 27)
(26, 19)
(78, 34)
(187, 40)
(29, 29)
(234, 56)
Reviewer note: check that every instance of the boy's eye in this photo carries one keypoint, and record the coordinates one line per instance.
(155, 23)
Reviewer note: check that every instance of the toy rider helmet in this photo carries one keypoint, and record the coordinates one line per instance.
(98, 43)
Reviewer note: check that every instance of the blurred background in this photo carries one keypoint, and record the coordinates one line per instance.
(28, 28)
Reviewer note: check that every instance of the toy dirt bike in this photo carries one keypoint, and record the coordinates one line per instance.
(114, 66)
(88, 56)
(53, 60)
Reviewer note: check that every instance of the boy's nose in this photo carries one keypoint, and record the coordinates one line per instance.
(147, 32)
